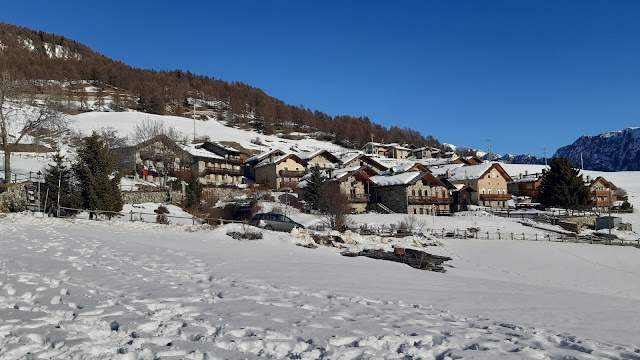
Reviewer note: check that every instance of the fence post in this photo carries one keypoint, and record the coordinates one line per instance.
(499, 237)
(193, 220)
(487, 235)
(131, 213)
(511, 236)
(523, 238)
(536, 236)
(220, 221)
(465, 234)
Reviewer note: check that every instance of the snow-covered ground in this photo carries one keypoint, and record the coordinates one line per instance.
(133, 290)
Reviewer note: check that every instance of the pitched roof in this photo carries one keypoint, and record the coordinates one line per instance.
(351, 157)
(406, 178)
(279, 159)
(264, 155)
(312, 154)
(476, 172)
(198, 152)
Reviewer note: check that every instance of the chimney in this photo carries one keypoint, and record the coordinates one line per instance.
(526, 173)
(520, 175)
(588, 178)
(448, 173)
(271, 157)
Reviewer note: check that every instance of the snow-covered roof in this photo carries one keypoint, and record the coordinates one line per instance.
(262, 155)
(442, 170)
(399, 179)
(474, 172)
(349, 157)
(194, 150)
(268, 161)
(525, 179)
(311, 154)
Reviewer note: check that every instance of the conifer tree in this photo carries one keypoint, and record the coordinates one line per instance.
(193, 191)
(313, 189)
(59, 174)
(562, 186)
(93, 169)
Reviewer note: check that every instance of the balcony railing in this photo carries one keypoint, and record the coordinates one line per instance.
(221, 170)
(289, 184)
(495, 197)
(600, 193)
(291, 174)
(235, 160)
(600, 203)
(429, 200)
(358, 198)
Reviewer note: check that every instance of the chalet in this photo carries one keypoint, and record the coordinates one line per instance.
(250, 163)
(154, 160)
(412, 192)
(320, 158)
(602, 193)
(279, 172)
(488, 179)
(525, 185)
(216, 164)
(375, 148)
(359, 159)
(356, 184)
(396, 151)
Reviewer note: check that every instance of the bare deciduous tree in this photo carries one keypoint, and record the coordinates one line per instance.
(149, 129)
(22, 116)
(335, 205)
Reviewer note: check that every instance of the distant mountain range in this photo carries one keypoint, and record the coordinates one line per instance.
(612, 151)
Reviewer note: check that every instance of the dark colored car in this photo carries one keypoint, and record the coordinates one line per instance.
(277, 222)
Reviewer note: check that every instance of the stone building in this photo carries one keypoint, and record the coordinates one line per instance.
(413, 192)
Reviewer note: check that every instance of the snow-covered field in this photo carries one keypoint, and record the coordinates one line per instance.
(133, 290)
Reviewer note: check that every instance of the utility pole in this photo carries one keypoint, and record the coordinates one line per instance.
(545, 156)
(194, 119)
(581, 162)
(490, 155)
(59, 181)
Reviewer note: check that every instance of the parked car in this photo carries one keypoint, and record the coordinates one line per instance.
(277, 222)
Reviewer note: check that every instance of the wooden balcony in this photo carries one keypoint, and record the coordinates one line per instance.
(237, 160)
(600, 193)
(289, 185)
(291, 174)
(495, 197)
(600, 203)
(418, 200)
(358, 198)
(221, 170)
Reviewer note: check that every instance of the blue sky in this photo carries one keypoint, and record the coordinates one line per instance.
(526, 75)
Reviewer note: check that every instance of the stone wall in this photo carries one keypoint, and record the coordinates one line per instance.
(138, 197)
(13, 197)
(583, 221)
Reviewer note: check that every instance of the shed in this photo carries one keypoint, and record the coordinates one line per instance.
(606, 222)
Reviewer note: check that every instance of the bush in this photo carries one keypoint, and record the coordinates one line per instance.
(247, 233)
(162, 218)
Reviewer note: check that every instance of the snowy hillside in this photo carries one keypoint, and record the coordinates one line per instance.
(613, 151)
